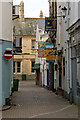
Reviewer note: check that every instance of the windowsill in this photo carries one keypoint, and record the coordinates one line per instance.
(14, 73)
(18, 73)
(33, 73)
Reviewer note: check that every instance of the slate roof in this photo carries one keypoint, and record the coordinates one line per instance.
(41, 24)
(26, 28)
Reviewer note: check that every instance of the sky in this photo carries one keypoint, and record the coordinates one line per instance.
(32, 7)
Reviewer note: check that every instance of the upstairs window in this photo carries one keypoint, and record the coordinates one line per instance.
(18, 41)
(17, 44)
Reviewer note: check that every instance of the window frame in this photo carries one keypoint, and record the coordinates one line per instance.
(18, 39)
(18, 67)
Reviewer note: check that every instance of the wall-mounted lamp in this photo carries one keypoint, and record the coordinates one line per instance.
(64, 9)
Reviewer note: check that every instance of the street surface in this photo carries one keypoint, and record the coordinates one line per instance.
(32, 101)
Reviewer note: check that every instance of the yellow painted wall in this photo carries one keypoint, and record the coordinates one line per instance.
(26, 44)
(26, 58)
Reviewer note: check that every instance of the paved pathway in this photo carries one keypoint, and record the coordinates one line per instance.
(36, 102)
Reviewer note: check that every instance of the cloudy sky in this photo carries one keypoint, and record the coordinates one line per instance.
(32, 7)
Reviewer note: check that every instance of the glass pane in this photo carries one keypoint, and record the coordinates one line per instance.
(18, 64)
(20, 42)
(14, 67)
(33, 65)
(18, 70)
(18, 67)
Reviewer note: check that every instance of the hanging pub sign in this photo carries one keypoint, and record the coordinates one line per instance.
(50, 24)
(49, 45)
(50, 56)
(42, 49)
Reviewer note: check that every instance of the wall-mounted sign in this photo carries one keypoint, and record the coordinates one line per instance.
(8, 55)
(50, 24)
(50, 56)
(49, 45)
(42, 49)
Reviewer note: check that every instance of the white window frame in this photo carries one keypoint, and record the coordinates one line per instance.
(19, 68)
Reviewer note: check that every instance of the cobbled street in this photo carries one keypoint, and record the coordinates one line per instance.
(32, 101)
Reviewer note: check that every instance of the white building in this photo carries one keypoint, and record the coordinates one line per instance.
(41, 36)
(5, 42)
(68, 41)
(73, 52)
(61, 45)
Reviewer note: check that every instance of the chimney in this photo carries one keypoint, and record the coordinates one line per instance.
(41, 14)
(22, 11)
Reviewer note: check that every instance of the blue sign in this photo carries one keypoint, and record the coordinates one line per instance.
(50, 61)
(49, 45)
(50, 24)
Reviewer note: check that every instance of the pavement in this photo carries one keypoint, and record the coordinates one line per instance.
(5, 107)
(32, 101)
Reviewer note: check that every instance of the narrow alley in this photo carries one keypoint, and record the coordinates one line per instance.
(32, 101)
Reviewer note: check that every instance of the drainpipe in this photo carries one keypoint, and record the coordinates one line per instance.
(68, 70)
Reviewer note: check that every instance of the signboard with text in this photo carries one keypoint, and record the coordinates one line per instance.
(49, 45)
(50, 56)
(50, 24)
(42, 49)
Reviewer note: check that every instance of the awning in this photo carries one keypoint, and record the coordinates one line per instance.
(36, 66)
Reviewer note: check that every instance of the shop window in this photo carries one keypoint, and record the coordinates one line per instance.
(18, 67)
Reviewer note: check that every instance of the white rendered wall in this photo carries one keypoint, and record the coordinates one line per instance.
(0, 20)
(6, 21)
(73, 12)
